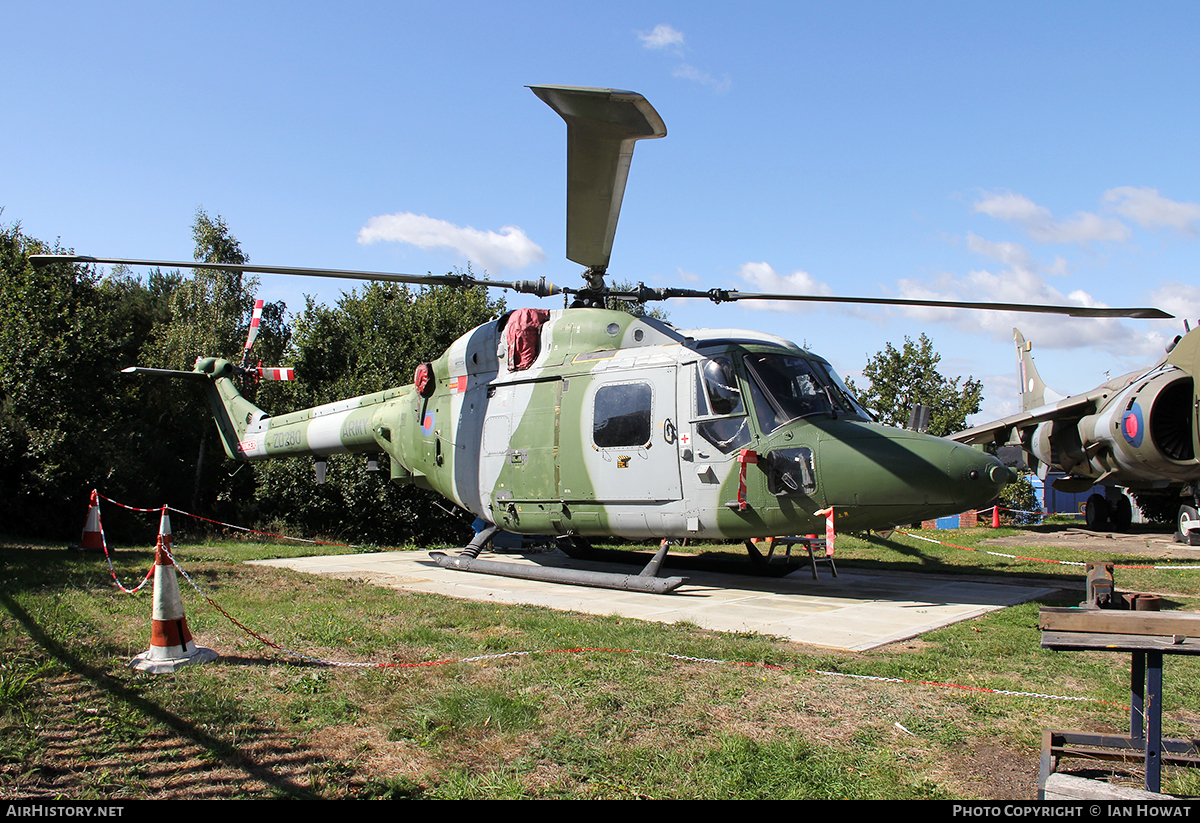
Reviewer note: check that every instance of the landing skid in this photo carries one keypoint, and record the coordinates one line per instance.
(757, 565)
(647, 581)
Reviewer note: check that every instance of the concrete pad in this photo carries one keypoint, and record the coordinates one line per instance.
(855, 611)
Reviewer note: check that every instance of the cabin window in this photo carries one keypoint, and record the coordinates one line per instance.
(622, 415)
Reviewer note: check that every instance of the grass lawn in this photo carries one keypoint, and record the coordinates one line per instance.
(666, 712)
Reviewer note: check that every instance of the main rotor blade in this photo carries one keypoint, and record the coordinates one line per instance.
(602, 126)
(541, 288)
(643, 294)
(537, 287)
(1070, 311)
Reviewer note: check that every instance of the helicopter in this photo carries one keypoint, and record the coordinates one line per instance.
(587, 422)
(1137, 431)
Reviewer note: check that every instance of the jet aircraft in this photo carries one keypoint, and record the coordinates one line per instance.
(1137, 431)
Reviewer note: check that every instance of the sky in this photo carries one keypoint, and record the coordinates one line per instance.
(998, 151)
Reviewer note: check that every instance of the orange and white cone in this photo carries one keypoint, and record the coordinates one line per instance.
(171, 644)
(93, 535)
(996, 516)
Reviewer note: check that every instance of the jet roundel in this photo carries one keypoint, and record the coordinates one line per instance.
(1133, 426)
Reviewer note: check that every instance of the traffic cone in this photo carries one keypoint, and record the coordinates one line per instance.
(171, 643)
(93, 534)
(996, 516)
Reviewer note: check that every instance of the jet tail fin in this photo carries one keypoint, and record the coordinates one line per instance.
(1033, 390)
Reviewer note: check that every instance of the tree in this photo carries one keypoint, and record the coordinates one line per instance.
(69, 421)
(371, 340)
(1020, 501)
(209, 313)
(898, 380)
(210, 309)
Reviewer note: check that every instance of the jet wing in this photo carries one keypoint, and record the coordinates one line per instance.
(999, 431)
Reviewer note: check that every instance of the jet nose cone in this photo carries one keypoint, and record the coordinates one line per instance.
(977, 477)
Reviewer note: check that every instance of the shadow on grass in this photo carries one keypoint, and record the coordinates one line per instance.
(237, 758)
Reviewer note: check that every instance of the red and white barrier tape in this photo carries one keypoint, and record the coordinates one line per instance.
(1039, 559)
(227, 525)
(486, 658)
(969, 688)
(108, 555)
(1014, 511)
(501, 655)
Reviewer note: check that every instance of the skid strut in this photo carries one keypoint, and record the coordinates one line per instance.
(646, 581)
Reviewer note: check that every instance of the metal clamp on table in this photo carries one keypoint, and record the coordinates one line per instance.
(1146, 637)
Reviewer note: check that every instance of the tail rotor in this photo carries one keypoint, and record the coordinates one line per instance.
(257, 372)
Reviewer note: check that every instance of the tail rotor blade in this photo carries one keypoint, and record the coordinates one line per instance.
(276, 373)
(255, 321)
(252, 332)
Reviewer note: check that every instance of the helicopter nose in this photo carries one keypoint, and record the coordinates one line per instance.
(902, 472)
(979, 475)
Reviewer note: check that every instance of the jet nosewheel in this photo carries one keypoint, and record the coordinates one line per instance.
(1187, 515)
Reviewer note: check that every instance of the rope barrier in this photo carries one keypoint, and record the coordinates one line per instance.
(112, 570)
(1042, 559)
(228, 525)
(108, 557)
(530, 653)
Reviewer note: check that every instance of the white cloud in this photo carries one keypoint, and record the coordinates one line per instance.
(1001, 394)
(1150, 210)
(1012, 208)
(508, 249)
(765, 279)
(671, 39)
(1014, 254)
(1042, 226)
(662, 37)
(1011, 254)
(1025, 286)
(1178, 299)
(689, 72)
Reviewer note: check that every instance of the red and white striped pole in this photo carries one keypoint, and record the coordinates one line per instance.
(829, 530)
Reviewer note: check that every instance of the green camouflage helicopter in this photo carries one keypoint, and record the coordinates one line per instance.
(586, 422)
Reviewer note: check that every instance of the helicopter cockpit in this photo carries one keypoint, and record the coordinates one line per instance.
(785, 387)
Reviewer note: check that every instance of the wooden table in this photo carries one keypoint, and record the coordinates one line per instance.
(1146, 637)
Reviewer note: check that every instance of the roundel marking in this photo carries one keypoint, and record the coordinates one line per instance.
(427, 423)
(1132, 425)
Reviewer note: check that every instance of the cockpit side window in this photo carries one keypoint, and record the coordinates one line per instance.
(721, 386)
(719, 405)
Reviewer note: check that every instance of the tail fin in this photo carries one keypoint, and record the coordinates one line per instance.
(232, 412)
(1033, 390)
